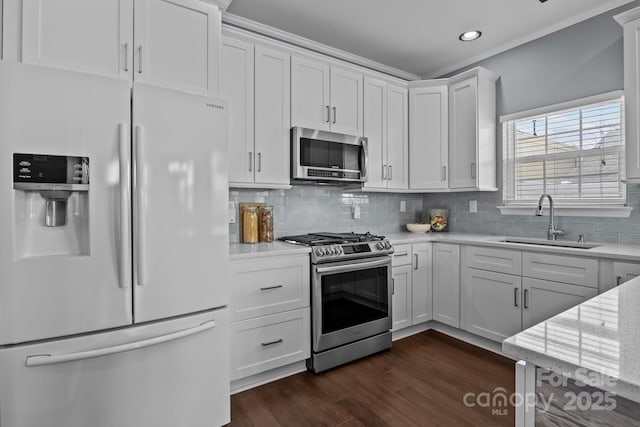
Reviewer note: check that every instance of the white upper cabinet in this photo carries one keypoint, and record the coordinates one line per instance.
(428, 136)
(346, 101)
(236, 78)
(375, 124)
(272, 116)
(397, 137)
(472, 131)
(630, 21)
(326, 97)
(177, 44)
(386, 128)
(256, 82)
(89, 36)
(170, 43)
(310, 94)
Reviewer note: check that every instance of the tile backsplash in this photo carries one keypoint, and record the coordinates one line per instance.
(488, 219)
(307, 208)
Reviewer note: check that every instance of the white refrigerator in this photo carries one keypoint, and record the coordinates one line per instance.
(116, 315)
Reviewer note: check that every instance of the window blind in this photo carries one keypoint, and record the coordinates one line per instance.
(576, 155)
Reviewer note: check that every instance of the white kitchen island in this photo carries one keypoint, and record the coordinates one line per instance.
(596, 343)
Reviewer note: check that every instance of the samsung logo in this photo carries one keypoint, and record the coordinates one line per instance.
(219, 107)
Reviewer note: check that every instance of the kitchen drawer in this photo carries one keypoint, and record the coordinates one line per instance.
(560, 268)
(401, 255)
(268, 286)
(491, 259)
(268, 342)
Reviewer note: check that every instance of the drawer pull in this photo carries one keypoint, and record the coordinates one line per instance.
(278, 341)
(268, 288)
(401, 254)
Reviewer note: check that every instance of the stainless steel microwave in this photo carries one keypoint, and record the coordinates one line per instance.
(322, 156)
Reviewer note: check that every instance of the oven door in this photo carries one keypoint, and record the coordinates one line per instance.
(351, 300)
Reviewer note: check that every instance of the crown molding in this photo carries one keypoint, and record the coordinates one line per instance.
(607, 6)
(302, 42)
(628, 16)
(222, 4)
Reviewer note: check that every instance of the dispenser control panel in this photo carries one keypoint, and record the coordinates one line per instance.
(46, 172)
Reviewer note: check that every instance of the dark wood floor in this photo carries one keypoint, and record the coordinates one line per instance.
(421, 381)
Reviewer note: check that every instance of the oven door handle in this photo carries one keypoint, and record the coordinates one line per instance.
(358, 266)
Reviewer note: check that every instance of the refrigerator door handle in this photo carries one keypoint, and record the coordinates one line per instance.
(125, 207)
(50, 359)
(140, 232)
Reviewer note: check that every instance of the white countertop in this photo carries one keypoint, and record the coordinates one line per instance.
(601, 336)
(604, 250)
(255, 250)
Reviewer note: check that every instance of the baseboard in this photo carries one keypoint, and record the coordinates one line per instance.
(298, 367)
(256, 380)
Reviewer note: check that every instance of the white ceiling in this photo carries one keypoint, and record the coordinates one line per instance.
(420, 36)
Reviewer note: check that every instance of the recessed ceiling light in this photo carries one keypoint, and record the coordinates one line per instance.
(468, 36)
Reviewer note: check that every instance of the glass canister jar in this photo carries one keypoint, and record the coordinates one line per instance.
(250, 225)
(265, 223)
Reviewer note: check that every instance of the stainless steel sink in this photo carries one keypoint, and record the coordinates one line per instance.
(544, 242)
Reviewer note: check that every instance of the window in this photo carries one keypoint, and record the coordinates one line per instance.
(572, 151)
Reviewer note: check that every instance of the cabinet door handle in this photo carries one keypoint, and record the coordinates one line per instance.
(526, 298)
(250, 161)
(140, 59)
(267, 288)
(618, 280)
(278, 341)
(473, 170)
(384, 172)
(328, 113)
(259, 162)
(444, 173)
(515, 297)
(334, 115)
(390, 173)
(126, 56)
(415, 257)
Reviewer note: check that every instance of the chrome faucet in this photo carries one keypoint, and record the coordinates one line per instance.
(552, 233)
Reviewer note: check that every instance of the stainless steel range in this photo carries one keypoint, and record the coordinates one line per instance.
(351, 288)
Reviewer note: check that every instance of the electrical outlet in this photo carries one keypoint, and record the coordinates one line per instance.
(473, 206)
(403, 206)
(355, 211)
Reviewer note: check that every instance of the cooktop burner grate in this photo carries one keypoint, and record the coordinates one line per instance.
(326, 238)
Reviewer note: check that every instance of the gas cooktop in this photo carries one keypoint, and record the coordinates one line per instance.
(325, 238)
(331, 247)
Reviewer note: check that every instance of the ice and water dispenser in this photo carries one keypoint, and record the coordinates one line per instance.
(51, 204)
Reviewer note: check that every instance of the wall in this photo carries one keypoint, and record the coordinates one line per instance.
(579, 61)
(308, 208)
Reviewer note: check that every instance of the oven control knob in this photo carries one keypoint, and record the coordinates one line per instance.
(328, 251)
(319, 251)
(380, 245)
(337, 250)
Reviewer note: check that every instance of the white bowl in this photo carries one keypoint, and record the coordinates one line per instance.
(418, 228)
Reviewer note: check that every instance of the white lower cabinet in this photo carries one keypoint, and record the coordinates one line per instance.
(623, 271)
(268, 342)
(412, 287)
(270, 313)
(506, 291)
(542, 299)
(401, 299)
(491, 303)
(446, 284)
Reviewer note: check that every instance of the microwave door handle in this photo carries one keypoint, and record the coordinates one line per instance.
(364, 158)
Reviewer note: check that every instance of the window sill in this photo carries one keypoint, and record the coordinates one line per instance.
(591, 211)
